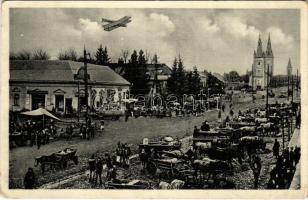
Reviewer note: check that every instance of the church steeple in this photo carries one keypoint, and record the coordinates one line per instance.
(259, 48)
(269, 52)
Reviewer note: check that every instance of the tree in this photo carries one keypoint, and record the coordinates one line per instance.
(141, 74)
(196, 81)
(214, 84)
(121, 61)
(22, 55)
(40, 54)
(125, 53)
(232, 76)
(172, 80)
(180, 77)
(69, 54)
(106, 58)
(101, 56)
(188, 83)
(148, 57)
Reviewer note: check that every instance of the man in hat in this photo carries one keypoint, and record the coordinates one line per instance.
(205, 126)
(29, 180)
(99, 170)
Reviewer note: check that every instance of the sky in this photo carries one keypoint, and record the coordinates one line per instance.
(217, 40)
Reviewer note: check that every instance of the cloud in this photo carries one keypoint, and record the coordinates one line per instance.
(139, 34)
(209, 26)
(236, 27)
(161, 23)
(279, 37)
(216, 41)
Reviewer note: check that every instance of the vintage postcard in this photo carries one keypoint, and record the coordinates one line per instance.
(181, 99)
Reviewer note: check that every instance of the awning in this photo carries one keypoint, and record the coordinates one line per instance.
(40, 112)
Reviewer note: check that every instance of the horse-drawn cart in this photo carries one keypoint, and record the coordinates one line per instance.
(172, 167)
(166, 144)
(59, 159)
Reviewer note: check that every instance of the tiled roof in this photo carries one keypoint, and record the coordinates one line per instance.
(61, 71)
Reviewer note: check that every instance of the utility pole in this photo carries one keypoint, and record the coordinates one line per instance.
(86, 83)
(292, 86)
(78, 101)
(267, 87)
(289, 130)
(288, 86)
(252, 84)
(297, 83)
(283, 132)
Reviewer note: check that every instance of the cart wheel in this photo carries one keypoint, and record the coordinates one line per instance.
(151, 167)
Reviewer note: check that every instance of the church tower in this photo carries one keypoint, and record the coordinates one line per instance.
(269, 60)
(262, 61)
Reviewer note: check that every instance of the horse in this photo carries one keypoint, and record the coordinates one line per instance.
(210, 166)
(225, 154)
(269, 128)
(251, 144)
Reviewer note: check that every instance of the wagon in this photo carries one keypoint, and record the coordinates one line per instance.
(59, 159)
(162, 145)
(172, 167)
(127, 184)
(237, 125)
(18, 138)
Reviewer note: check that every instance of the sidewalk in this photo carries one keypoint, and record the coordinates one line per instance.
(295, 141)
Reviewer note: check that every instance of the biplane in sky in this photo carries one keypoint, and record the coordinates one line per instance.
(115, 24)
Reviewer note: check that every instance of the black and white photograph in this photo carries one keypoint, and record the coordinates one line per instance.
(155, 98)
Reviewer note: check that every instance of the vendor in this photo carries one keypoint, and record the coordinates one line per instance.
(205, 126)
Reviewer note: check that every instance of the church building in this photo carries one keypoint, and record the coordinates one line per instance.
(262, 66)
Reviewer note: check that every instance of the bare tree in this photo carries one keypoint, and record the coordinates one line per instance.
(147, 57)
(154, 59)
(125, 53)
(40, 54)
(69, 54)
(21, 55)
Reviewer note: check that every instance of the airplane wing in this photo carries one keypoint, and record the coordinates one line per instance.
(115, 24)
(107, 20)
(110, 28)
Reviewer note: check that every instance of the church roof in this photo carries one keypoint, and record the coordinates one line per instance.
(269, 52)
(260, 52)
(289, 64)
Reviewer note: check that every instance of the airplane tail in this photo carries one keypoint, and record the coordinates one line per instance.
(106, 20)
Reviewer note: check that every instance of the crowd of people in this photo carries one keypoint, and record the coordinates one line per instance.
(282, 174)
(35, 131)
(97, 164)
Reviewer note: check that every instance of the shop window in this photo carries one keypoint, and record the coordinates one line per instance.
(16, 99)
(59, 103)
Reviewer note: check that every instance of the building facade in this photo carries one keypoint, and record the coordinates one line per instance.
(262, 66)
(59, 86)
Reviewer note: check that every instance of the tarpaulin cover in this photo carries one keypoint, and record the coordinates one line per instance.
(40, 112)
